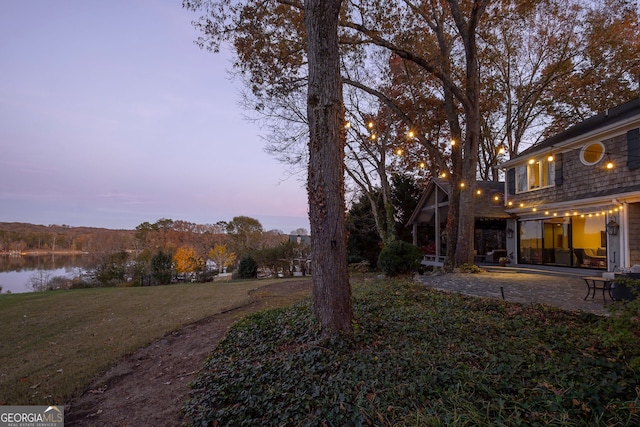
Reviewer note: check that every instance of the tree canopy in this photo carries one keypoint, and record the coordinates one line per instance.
(493, 77)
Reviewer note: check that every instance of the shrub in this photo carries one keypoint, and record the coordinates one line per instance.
(248, 268)
(359, 267)
(470, 268)
(621, 330)
(399, 257)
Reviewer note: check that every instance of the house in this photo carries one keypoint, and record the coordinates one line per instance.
(429, 219)
(574, 198)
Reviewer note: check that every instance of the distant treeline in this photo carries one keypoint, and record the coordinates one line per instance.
(23, 237)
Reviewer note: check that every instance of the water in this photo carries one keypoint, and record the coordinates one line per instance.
(17, 271)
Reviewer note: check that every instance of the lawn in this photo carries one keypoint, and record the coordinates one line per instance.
(420, 357)
(53, 343)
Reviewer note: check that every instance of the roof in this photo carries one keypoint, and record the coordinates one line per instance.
(602, 120)
(486, 206)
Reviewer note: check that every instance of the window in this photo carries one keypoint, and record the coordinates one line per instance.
(537, 173)
(592, 153)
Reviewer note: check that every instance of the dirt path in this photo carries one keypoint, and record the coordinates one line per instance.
(149, 387)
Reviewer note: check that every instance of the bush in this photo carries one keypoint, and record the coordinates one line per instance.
(399, 257)
(248, 268)
(621, 330)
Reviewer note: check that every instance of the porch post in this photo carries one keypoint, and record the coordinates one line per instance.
(437, 219)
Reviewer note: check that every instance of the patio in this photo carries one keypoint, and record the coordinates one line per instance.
(558, 287)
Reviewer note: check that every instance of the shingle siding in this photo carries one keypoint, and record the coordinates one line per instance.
(582, 182)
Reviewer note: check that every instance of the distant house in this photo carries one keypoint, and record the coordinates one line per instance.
(300, 239)
(575, 197)
(430, 218)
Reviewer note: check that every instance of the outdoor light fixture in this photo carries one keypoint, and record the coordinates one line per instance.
(612, 228)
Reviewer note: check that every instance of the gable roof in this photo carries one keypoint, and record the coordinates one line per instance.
(603, 120)
(486, 206)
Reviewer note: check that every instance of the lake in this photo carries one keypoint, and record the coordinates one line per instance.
(16, 271)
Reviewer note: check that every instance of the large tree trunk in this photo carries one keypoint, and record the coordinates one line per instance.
(325, 185)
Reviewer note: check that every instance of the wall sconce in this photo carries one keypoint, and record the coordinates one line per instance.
(612, 228)
(510, 233)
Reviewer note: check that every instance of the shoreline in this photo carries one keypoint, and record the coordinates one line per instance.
(42, 252)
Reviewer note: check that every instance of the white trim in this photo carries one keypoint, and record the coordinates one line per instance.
(583, 150)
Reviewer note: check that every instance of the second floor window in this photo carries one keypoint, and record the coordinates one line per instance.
(537, 173)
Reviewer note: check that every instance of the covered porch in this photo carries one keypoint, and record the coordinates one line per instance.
(429, 220)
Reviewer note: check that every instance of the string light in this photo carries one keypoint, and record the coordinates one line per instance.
(399, 151)
(370, 125)
(373, 136)
(410, 134)
(347, 125)
(610, 164)
(453, 142)
(501, 150)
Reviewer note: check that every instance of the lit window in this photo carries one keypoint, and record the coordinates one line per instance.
(592, 153)
(537, 173)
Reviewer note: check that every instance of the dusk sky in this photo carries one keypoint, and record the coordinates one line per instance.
(111, 116)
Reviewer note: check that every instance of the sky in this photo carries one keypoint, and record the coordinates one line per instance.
(111, 116)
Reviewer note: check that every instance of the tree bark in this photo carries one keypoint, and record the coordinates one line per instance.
(325, 183)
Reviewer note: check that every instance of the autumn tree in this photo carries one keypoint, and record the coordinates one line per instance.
(435, 54)
(186, 261)
(222, 256)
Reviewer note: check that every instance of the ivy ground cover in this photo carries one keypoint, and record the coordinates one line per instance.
(419, 357)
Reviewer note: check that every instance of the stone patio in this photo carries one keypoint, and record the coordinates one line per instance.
(563, 288)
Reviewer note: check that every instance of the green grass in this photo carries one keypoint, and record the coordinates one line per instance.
(53, 343)
(419, 358)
